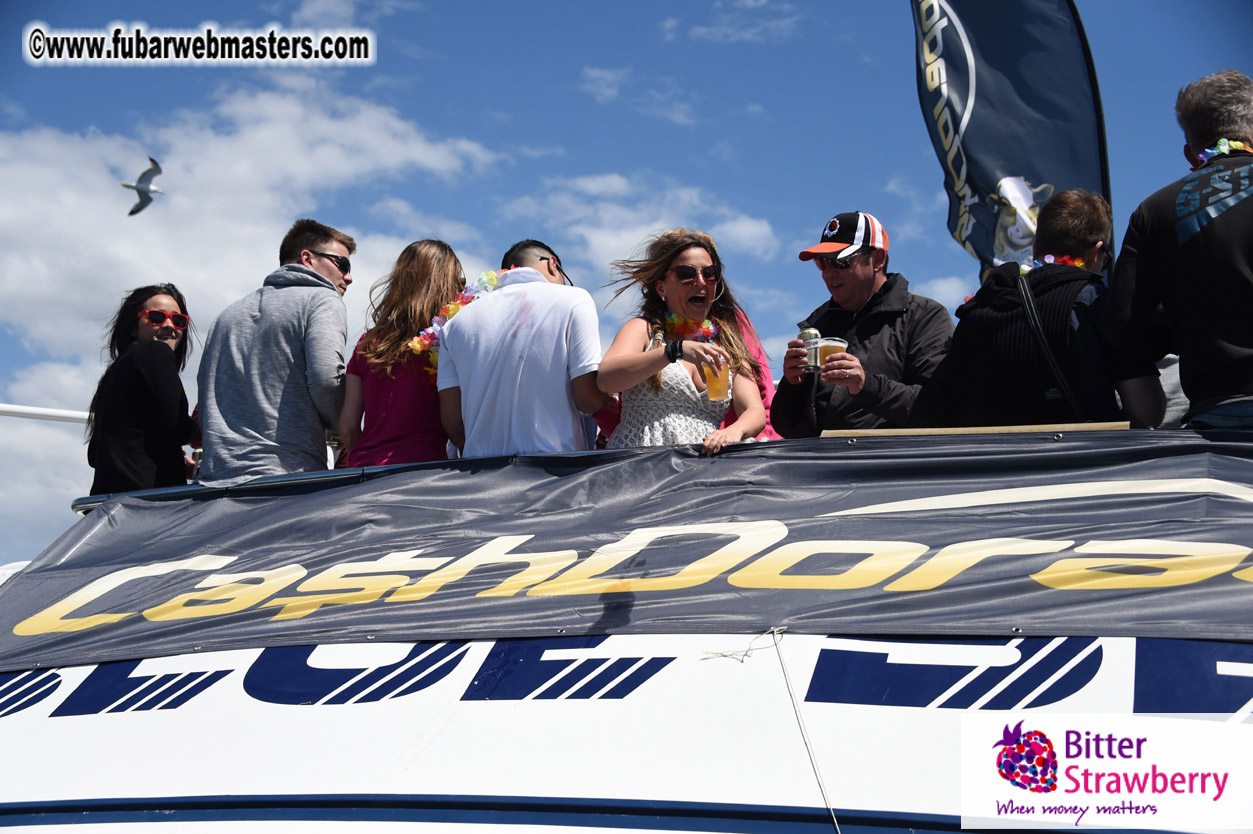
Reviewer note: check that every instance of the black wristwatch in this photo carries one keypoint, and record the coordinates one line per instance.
(674, 350)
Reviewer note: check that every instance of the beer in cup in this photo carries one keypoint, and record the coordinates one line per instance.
(718, 382)
(828, 346)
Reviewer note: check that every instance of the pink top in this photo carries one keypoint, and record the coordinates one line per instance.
(765, 383)
(401, 413)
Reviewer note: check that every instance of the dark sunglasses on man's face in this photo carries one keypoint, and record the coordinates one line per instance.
(836, 263)
(687, 274)
(157, 318)
(344, 265)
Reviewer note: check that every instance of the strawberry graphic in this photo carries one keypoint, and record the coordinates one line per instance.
(1027, 760)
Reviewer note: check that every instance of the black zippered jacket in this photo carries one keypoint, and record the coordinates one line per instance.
(898, 336)
(1184, 281)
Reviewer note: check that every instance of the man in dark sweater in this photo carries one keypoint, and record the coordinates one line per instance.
(997, 372)
(895, 338)
(1184, 281)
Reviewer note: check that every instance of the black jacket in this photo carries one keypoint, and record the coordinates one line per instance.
(1184, 281)
(898, 336)
(996, 373)
(141, 422)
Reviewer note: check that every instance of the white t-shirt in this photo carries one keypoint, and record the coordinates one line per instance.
(513, 352)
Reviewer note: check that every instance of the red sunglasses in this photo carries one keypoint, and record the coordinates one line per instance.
(157, 318)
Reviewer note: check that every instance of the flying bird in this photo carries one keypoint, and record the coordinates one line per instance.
(144, 187)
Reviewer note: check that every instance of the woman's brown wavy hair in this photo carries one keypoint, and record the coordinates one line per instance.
(657, 255)
(427, 276)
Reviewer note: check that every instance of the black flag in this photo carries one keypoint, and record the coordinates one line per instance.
(1011, 102)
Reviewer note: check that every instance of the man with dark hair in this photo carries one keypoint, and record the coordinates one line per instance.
(1028, 348)
(272, 375)
(537, 255)
(895, 338)
(1184, 279)
(517, 367)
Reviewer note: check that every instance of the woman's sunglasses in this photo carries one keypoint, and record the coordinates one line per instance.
(157, 318)
(687, 274)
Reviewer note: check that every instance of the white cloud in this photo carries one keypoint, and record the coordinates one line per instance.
(45, 465)
(604, 84)
(747, 27)
(723, 150)
(748, 235)
(323, 14)
(918, 221)
(380, 9)
(669, 28)
(657, 97)
(60, 385)
(950, 291)
(418, 225)
(602, 185)
(538, 151)
(669, 103)
(10, 110)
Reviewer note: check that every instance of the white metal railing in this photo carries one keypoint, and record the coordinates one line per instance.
(32, 413)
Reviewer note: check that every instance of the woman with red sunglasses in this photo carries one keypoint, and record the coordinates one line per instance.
(138, 421)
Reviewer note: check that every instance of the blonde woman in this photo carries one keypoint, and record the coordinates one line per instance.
(390, 384)
(687, 327)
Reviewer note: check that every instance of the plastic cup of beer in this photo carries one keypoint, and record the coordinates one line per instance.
(828, 346)
(718, 382)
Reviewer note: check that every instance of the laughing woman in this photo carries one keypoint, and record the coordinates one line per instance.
(685, 331)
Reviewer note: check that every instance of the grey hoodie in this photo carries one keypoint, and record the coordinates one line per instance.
(272, 379)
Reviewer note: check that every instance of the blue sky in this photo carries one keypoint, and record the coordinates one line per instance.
(587, 125)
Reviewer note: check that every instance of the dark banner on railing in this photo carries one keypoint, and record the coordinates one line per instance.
(1090, 533)
(1009, 94)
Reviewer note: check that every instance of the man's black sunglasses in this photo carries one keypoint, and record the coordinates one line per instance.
(557, 263)
(345, 265)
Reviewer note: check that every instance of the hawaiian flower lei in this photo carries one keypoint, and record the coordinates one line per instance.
(1055, 259)
(681, 327)
(1224, 146)
(428, 340)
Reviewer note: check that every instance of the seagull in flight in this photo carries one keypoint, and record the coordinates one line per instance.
(144, 187)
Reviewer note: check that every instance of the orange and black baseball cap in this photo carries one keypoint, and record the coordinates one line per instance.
(847, 234)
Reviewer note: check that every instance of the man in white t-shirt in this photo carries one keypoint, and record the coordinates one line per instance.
(518, 365)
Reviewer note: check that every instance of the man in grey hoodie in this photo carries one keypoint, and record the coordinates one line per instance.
(272, 372)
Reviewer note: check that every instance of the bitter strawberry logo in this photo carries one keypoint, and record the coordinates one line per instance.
(1027, 760)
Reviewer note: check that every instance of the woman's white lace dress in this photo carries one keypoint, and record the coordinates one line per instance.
(677, 414)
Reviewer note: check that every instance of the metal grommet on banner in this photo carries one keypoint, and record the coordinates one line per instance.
(1057, 436)
(852, 440)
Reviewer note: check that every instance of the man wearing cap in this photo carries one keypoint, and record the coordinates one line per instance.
(895, 338)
